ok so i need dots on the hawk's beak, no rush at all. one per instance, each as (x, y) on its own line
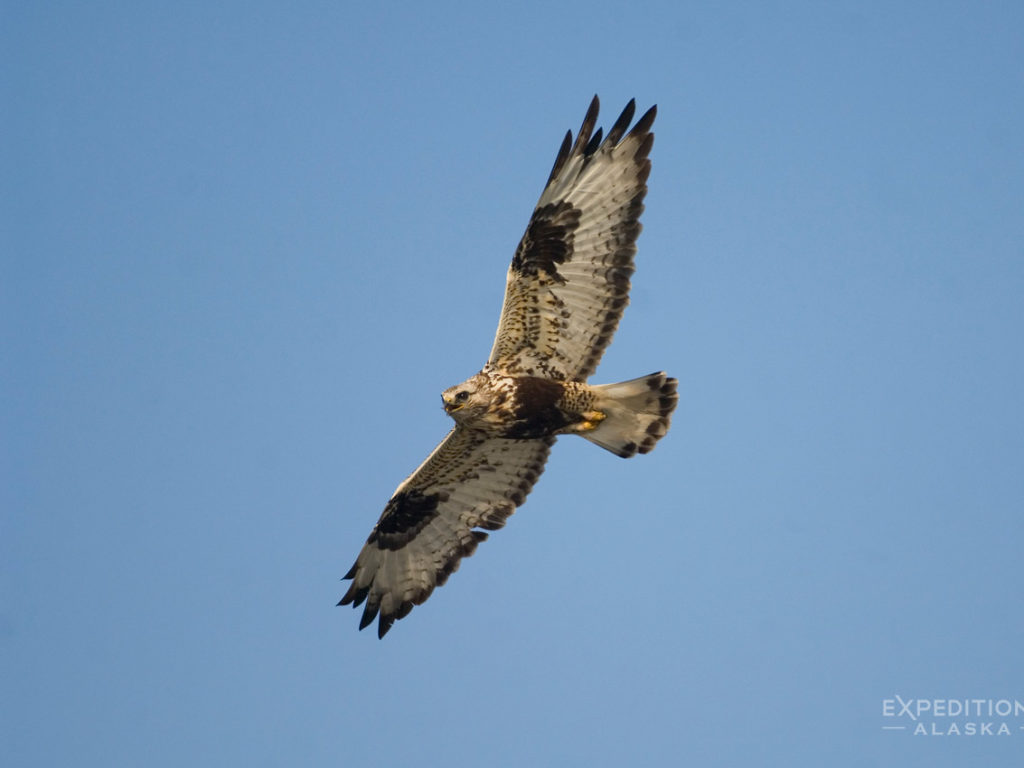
(450, 406)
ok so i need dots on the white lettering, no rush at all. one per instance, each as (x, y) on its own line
(931, 710)
(905, 707)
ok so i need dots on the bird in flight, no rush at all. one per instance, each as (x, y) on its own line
(566, 290)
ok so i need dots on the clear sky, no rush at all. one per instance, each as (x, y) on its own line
(246, 245)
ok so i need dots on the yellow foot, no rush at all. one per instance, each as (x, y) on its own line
(590, 421)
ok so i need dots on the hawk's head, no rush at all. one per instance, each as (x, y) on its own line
(470, 402)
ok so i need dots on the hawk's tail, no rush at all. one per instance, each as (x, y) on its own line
(636, 414)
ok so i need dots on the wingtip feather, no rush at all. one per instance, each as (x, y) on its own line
(369, 614)
(643, 125)
(561, 157)
(617, 131)
(587, 127)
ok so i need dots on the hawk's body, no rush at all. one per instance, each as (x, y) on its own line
(567, 287)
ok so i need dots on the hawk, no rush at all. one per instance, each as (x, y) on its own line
(566, 290)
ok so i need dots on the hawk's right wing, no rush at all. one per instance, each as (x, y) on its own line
(470, 481)
(568, 284)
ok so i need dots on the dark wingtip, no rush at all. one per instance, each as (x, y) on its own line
(622, 123)
(354, 595)
(562, 156)
(587, 127)
(369, 614)
(643, 125)
(588, 141)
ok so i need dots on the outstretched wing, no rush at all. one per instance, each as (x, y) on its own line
(470, 481)
(568, 284)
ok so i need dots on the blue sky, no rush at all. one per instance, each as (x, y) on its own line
(244, 248)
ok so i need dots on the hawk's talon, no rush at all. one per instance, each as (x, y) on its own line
(591, 420)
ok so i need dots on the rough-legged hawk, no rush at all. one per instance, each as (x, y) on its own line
(566, 290)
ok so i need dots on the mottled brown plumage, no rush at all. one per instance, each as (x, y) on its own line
(567, 287)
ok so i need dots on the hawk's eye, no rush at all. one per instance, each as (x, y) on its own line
(461, 397)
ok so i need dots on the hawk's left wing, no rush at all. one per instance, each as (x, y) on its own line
(470, 481)
(568, 284)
